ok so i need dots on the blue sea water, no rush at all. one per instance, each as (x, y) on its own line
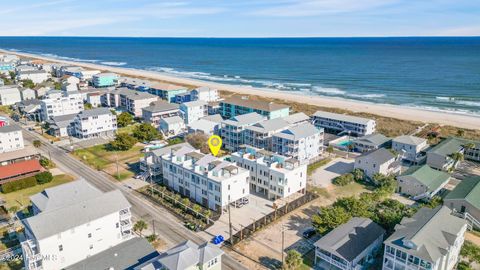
(441, 73)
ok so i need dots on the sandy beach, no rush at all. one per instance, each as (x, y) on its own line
(404, 113)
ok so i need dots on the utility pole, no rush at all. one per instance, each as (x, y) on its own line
(283, 243)
(230, 223)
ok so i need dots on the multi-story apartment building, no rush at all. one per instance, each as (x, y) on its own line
(129, 100)
(344, 124)
(94, 123)
(11, 138)
(238, 105)
(9, 95)
(72, 222)
(158, 110)
(205, 179)
(193, 110)
(37, 76)
(260, 134)
(104, 79)
(272, 175)
(410, 148)
(233, 130)
(204, 93)
(166, 91)
(430, 240)
(134, 83)
(58, 103)
(303, 142)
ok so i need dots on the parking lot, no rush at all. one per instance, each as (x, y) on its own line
(323, 176)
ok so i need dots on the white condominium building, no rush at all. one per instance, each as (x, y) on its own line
(303, 142)
(233, 130)
(9, 95)
(205, 93)
(37, 76)
(344, 124)
(94, 123)
(210, 181)
(11, 138)
(159, 110)
(430, 240)
(72, 222)
(193, 110)
(58, 103)
(130, 100)
(271, 174)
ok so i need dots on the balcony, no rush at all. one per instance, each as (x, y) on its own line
(126, 225)
(32, 255)
(125, 215)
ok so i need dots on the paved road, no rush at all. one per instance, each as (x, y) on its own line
(166, 225)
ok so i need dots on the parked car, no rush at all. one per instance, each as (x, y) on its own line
(309, 233)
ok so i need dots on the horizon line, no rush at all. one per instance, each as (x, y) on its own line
(245, 37)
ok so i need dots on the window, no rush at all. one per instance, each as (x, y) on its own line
(91, 246)
(60, 248)
(89, 235)
(117, 225)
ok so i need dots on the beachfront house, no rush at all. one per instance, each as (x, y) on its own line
(9, 95)
(166, 91)
(381, 161)
(104, 79)
(442, 156)
(208, 180)
(158, 110)
(371, 142)
(193, 110)
(205, 93)
(431, 239)
(73, 222)
(233, 130)
(410, 148)
(134, 83)
(350, 246)
(238, 105)
(57, 103)
(465, 200)
(172, 126)
(188, 256)
(422, 182)
(343, 124)
(303, 142)
(273, 175)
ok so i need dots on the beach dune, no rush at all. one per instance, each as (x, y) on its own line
(393, 111)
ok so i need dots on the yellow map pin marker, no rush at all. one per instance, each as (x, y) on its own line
(215, 143)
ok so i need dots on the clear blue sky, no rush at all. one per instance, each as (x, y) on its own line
(240, 18)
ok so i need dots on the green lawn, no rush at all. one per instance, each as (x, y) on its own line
(5, 110)
(314, 166)
(21, 199)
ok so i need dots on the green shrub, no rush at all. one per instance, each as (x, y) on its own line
(343, 180)
(44, 177)
(19, 184)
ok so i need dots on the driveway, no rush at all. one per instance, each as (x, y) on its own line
(323, 176)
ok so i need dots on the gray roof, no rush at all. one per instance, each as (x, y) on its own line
(350, 239)
(245, 101)
(374, 139)
(32, 72)
(213, 118)
(410, 140)
(269, 125)
(94, 112)
(195, 103)
(342, 117)
(132, 94)
(183, 256)
(172, 120)
(126, 255)
(164, 150)
(298, 132)
(160, 106)
(296, 118)
(378, 156)
(431, 231)
(203, 89)
(62, 120)
(244, 119)
(10, 128)
(79, 210)
(202, 124)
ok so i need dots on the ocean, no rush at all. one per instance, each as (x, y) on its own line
(434, 73)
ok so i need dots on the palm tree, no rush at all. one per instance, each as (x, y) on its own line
(140, 226)
(207, 213)
(186, 203)
(196, 208)
(457, 157)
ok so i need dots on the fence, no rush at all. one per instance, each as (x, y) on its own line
(249, 230)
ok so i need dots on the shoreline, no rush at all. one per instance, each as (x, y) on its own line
(385, 110)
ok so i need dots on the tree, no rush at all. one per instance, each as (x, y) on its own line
(460, 132)
(88, 106)
(37, 143)
(57, 86)
(186, 203)
(123, 142)
(12, 75)
(293, 260)
(207, 214)
(457, 157)
(354, 206)
(46, 163)
(145, 132)
(124, 119)
(358, 175)
(199, 141)
(44, 177)
(343, 180)
(28, 83)
(196, 208)
(329, 218)
(152, 238)
(140, 226)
